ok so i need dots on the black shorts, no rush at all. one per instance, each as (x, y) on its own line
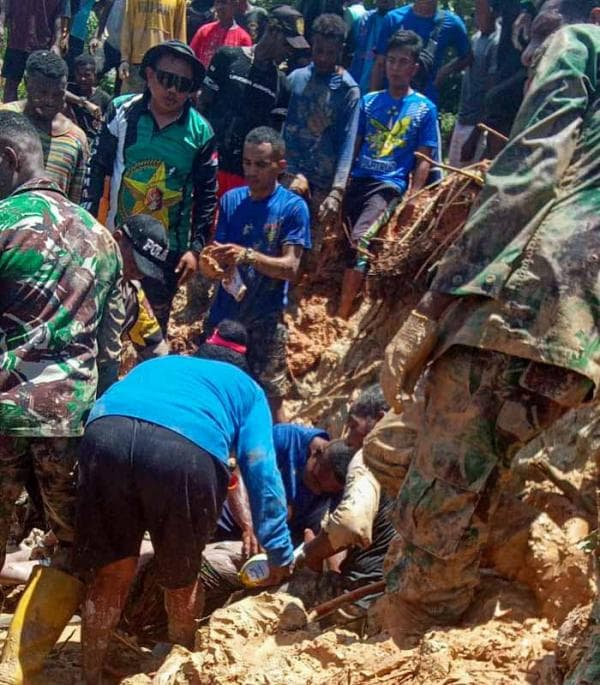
(14, 64)
(365, 201)
(134, 477)
(368, 206)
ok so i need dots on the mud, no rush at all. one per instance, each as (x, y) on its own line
(491, 650)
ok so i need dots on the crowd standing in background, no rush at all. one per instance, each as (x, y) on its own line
(142, 141)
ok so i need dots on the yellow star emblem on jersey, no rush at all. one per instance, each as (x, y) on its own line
(153, 196)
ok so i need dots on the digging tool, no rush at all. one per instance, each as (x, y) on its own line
(322, 610)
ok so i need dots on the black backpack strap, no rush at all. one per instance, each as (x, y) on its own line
(434, 36)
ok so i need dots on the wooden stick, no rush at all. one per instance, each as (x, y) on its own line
(347, 598)
(129, 644)
(493, 132)
(474, 177)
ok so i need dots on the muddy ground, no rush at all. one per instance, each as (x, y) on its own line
(538, 572)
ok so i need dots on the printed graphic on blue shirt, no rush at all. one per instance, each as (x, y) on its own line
(391, 131)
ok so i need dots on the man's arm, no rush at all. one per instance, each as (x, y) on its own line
(421, 171)
(102, 14)
(60, 44)
(256, 457)
(284, 268)
(109, 332)
(239, 507)
(459, 40)
(351, 522)
(455, 65)
(213, 81)
(145, 333)
(204, 175)
(346, 129)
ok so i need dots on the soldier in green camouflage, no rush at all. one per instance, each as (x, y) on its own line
(61, 314)
(510, 328)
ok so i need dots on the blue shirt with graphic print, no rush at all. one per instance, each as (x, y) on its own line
(392, 131)
(265, 226)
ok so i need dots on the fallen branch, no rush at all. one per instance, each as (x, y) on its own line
(493, 132)
(322, 610)
(474, 177)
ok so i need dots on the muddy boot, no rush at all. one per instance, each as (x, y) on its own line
(49, 601)
(351, 285)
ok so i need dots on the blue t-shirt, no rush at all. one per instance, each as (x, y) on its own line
(320, 127)
(367, 35)
(266, 226)
(80, 20)
(291, 448)
(392, 130)
(307, 509)
(221, 409)
(453, 34)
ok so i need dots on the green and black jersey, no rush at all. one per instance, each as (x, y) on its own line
(168, 173)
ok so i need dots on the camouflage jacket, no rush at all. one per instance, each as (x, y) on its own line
(60, 300)
(530, 250)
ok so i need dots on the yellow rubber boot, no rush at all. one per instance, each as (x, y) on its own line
(49, 601)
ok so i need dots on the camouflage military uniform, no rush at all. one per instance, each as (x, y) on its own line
(61, 312)
(524, 344)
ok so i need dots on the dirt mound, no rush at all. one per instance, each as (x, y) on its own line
(281, 653)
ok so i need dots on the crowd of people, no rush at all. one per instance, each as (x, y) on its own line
(178, 138)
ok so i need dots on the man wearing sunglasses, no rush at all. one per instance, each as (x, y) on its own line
(160, 155)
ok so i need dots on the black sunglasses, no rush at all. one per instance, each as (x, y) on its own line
(182, 84)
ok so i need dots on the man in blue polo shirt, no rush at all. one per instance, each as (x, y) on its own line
(262, 231)
(393, 125)
(439, 30)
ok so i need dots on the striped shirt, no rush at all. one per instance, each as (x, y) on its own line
(65, 153)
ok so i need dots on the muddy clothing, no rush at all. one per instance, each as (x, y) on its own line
(266, 226)
(306, 509)
(220, 409)
(127, 487)
(481, 407)
(65, 153)
(521, 347)
(51, 461)
(60, 309)
(320, 128)
(533, 287)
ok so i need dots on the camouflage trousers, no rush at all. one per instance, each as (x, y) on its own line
(52, 462)
(480, 408)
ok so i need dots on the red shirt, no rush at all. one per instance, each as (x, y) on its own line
(210, 37)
